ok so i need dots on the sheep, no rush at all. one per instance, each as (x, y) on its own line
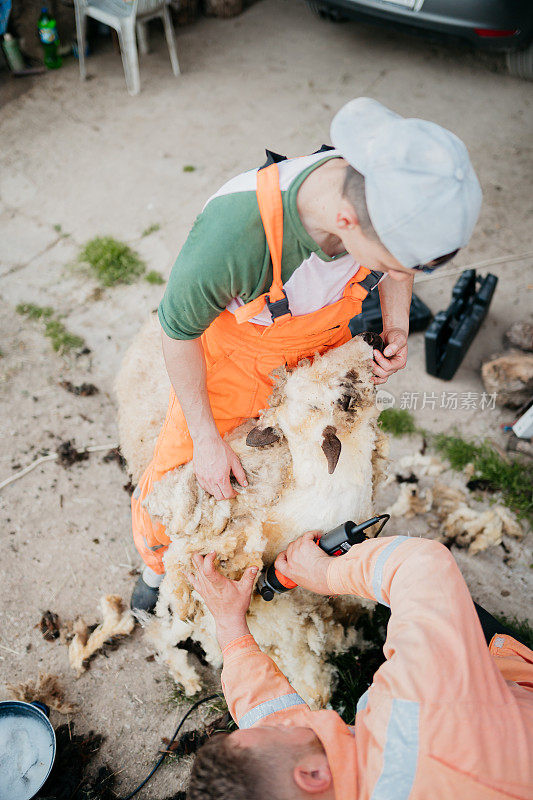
(312, 459)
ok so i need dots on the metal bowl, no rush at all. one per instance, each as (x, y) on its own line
(27, 749)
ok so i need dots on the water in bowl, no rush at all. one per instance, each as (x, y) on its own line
(26, 750)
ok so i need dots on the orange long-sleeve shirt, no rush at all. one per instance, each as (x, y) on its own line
(441, 719)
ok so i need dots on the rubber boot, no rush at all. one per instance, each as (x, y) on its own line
(146, 591)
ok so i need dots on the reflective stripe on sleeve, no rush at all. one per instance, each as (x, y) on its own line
(380, 565)
(270, 707)
(362, 702)
(400, 754)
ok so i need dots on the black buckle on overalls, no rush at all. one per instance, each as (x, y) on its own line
(279, 307)
(275, 158)
(372, 280)
(272, 158)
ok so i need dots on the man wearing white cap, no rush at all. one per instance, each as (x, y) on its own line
(274, 268)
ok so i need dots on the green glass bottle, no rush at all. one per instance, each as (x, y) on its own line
(49, 39)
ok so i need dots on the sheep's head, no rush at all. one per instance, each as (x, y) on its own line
(319, 401)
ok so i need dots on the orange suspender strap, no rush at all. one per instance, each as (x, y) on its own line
(271, 210)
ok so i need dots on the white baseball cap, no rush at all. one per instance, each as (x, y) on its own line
(422, 193)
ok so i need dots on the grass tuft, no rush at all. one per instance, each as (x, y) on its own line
(32, 311)
(397, 421)
(512, 479)
(154, 277)
(189, 168)
(112, 261)
(151, 229)
(58, 229)
(61, 339)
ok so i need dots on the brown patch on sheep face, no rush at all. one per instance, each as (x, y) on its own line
(331, 446)
(356, 395)
(261, 437)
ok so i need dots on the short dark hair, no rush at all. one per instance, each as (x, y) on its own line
(224, 771)
(353, 190)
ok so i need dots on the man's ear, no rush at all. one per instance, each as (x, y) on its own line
(346, 216)
(312, 774)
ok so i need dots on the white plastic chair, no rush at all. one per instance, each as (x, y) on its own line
(125, 17)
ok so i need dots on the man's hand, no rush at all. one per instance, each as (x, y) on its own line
(213, 462)
(394, 356)
(305, 563)
(227, 600)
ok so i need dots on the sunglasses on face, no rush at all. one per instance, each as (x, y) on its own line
(437, 262)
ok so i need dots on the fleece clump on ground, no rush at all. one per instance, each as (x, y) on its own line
(116, 621)
(487, 469)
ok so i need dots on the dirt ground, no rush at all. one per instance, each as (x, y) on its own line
(91, 159)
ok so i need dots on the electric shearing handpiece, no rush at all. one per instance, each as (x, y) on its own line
(334, 543)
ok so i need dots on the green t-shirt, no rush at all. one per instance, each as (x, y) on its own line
(225, 260)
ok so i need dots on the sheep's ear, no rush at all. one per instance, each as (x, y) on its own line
(373, 339)
(260, 437)
(331, 445)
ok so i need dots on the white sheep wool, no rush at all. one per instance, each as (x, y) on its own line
(322, 462)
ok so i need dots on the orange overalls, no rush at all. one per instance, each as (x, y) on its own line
(446, 717)
(240, 357)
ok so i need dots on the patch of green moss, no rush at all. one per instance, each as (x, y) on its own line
(189, 168)
(151, 229)
(397, 421)
(61, 339)
(512, 479)
(112, 261)
(154, 277)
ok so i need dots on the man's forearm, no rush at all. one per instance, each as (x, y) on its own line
(395, 298)
(186, 369)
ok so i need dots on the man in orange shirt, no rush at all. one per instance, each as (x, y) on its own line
(445, 716)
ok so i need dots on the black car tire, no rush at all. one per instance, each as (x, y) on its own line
(520, 63)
